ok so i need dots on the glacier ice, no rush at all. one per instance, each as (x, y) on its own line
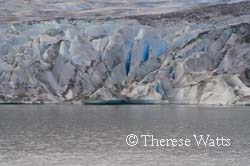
(186, 59)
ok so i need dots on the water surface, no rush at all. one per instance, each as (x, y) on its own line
(67, 135)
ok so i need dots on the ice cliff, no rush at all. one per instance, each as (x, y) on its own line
(197, 56)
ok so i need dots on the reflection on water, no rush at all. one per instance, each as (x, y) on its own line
(95, 135)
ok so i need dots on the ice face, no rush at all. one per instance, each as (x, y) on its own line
(180, 59)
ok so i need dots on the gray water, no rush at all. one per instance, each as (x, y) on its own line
(53, 135)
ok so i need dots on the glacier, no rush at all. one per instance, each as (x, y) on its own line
(194, 56)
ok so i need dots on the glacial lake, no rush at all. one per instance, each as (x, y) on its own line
(77, 135)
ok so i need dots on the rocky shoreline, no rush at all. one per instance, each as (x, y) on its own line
(198, 56)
